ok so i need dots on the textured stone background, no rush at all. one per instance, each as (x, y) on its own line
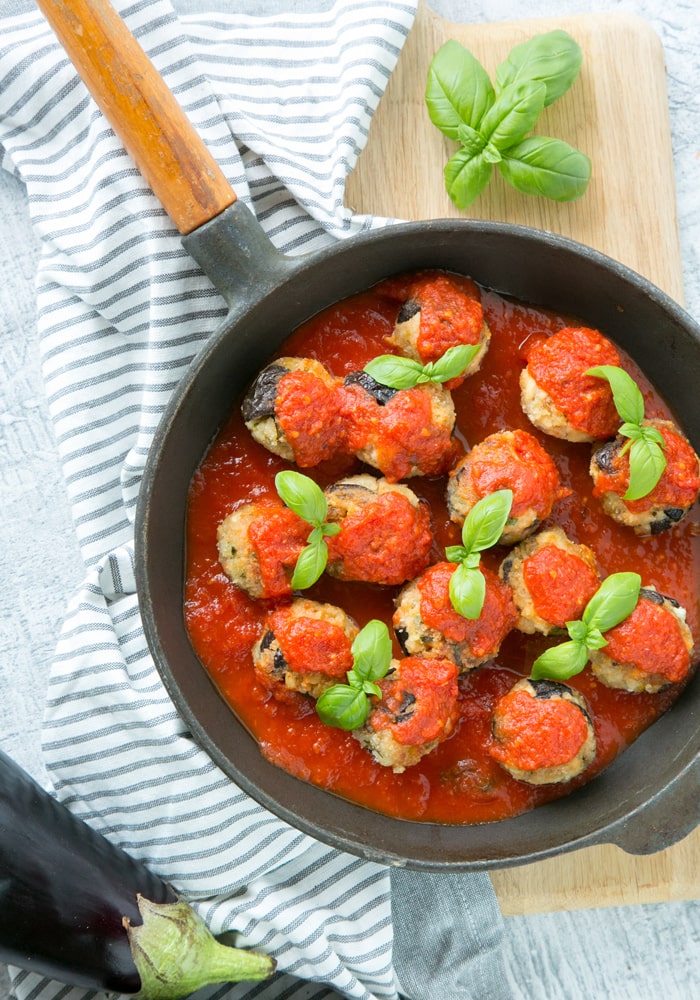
(626, 953)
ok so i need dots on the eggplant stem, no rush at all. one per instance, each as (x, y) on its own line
(176, 954)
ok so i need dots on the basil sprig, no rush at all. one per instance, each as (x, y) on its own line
(646, 444)
(615, 600)
(482, 528)
(346, 706)
(303, 496)
(492, 124)
(398, 372)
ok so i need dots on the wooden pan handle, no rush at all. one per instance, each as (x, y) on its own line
(141, 109)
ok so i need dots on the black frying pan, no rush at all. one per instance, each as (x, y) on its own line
(648, 798)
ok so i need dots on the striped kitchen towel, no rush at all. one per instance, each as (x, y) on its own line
(284, 103)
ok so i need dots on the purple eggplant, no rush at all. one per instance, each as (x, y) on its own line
(76, 908)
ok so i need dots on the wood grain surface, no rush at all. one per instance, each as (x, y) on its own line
(629, 213)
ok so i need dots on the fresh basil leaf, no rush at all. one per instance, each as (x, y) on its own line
(484, 524)
(302, 495)
(466, 176)
(467, 591)
(472, 140)
(456, 553)
(458, 90)
(613, 601)
(491, 154)
(647, 465)
(549, 167)
(595, 639)
(553, 58)
(632, 431)
(370, 688)
(328, 530)
(577, 631)
(396, 371)
(309, 566)
(453, 363)
(371, 651)
(627, 397)
(343, 707)
(560, 662)
(513, 114)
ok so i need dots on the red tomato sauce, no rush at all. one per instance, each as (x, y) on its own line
(277, 539)
(537, 733)
(483, 634)
(560, 584)
(451, 314)
(558, 366)
(459, 782)
(651, 639)
(520, 464)
(311, 645)
(308, 414)
(388, 541)
(433, 684)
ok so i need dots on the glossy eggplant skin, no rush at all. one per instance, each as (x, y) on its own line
(64, 890)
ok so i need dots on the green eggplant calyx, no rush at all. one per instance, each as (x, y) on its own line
(176, 954)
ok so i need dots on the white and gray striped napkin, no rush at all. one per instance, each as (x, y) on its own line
(283, 102)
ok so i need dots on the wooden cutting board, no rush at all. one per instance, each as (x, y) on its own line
(629, 213)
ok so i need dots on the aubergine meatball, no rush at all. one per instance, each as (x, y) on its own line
(305, 647)
(669, 501)
(558, 396)
(512, 460)
(417, 711)
(400, 432)
(385, 532)
(649, 650)
(440, 312)
(258, 546)
(552, 580)
(291, 409)
(426, 624)
(542, 732)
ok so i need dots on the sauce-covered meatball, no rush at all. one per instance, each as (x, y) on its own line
(258, 546)
(400, 432)
(426, 623)
(417, 711)
(305, 647)
(440, 312)
(542, 732)
(385, 533)
(552, 579)
(558, 396)
(649, 650)
(512, 460)
(669, 501)
(292, 410)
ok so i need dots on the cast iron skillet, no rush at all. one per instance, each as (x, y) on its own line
(648, 798)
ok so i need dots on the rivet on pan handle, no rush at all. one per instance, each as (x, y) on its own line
(142, 111)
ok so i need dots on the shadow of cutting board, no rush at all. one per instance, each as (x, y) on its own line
(617, 113)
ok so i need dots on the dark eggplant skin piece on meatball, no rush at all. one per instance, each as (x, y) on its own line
(258, 546)
(291, 410)
(441, 311)
(650, 650)
(552, 580)
(542, 732)
(417, 711)
(426, 624)
(672, 497)
(558, 396)
(385, 532)
(513, 460)
(306, 646)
